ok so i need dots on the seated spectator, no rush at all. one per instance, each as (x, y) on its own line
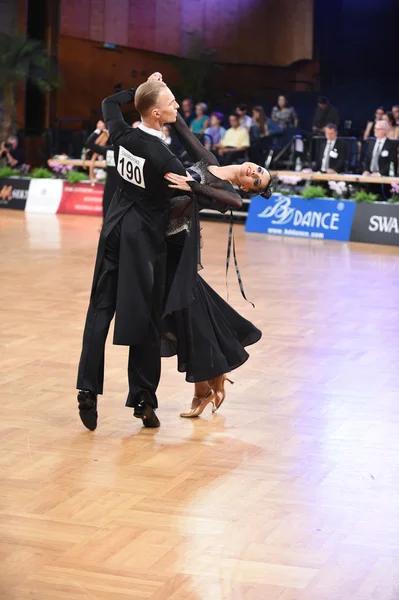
(201, 121)
(171, 140)
(12, 152)
(215, 133)
(381, 152)
(235, 142)
(331, 154)
(259, 135)
(369, 131)
(245, 119)
(259, 128)
(393, 133)
(187, 111)
(395, 112)
(325, 113)
(283, 114)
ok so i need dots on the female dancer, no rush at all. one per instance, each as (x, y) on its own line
(209, 337)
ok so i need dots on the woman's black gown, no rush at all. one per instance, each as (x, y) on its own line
(209, 336)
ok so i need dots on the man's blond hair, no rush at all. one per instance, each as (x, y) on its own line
(147, 96)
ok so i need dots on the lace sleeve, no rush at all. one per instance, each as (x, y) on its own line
(191, 143)
(229, 198)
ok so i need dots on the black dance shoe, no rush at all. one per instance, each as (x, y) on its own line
(147, 414)
(88, 409)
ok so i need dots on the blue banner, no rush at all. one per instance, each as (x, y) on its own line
(321, 218)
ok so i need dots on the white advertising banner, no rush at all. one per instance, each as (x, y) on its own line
(44, 196)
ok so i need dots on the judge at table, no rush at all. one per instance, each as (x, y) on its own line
(381, 152)
(331, 153)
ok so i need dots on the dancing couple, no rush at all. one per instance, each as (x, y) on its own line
(146, 270)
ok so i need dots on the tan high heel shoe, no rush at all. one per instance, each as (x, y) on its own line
(199, 404)
(217, 384)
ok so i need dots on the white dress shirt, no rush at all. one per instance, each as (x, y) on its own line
(378, 146)
(151, 131)
(326, 157)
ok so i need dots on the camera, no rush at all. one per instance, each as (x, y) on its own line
(7, 145)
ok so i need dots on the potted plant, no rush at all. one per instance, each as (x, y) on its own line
(23, 60)
(313, 191)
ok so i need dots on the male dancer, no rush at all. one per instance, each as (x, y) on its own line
(130, 267)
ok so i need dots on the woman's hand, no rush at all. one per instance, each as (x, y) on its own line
(179, 182)
(155, 77)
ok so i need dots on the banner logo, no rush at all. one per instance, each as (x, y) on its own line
(14, 193)
(376, 223)
(283, 214)
(320, 218)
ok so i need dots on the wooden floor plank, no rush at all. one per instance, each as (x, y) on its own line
(290, 492)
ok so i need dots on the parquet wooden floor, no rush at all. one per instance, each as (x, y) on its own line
(290, 493)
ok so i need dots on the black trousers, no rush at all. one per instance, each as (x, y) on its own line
(144, 364)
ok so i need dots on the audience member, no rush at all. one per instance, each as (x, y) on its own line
(187, 111)
(235, 142)
(325, 113)
(331, 154)
(12, 152)
(283, 114)
(245, 119)
(395, 112)
(215, 133)
(259, 128)
(393, 133)
(259, 135)
(369, 131)
(171, 140)
(381, 152)
(201, 121)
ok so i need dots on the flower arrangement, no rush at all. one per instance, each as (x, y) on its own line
(59, 170)
(289, 179)
(394, 199)
(339, 188)
(100, 175)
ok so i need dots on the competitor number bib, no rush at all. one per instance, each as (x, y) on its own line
(131, 167)
(110, 158)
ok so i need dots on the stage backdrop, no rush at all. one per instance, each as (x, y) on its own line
(264, 32)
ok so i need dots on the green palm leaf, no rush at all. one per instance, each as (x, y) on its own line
(23, 59)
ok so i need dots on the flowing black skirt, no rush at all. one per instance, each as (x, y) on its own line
(208, 337)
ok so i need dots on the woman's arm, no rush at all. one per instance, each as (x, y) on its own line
(191, 143)
(227, 197)
(220, 195)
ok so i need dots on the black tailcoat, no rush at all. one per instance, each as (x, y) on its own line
(141, 205)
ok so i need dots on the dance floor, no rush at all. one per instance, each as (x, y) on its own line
(290, 492)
